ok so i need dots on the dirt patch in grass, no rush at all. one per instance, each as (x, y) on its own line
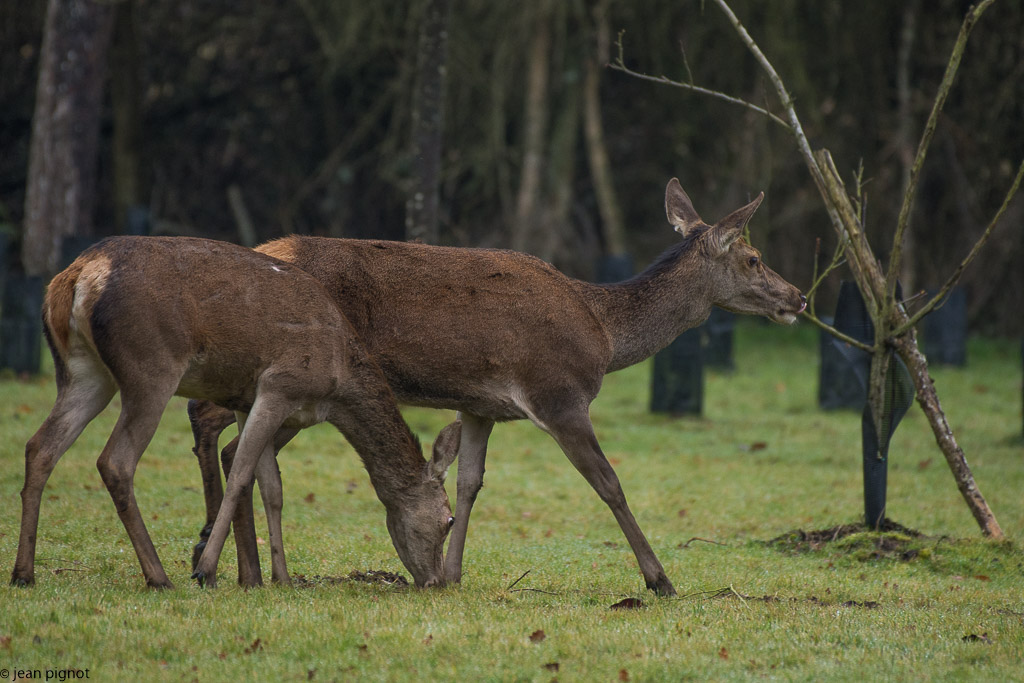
(891, 541)
(374, 576)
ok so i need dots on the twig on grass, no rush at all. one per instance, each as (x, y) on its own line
(705, 540)
(534, 590)
(518, 580)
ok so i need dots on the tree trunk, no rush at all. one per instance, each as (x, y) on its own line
(928, 399)
(597, 151)
(536, 115)
(125, 102)
(65, 130)
(421, 208)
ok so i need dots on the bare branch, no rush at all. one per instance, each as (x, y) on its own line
(836, 201)
(620, 65)
(922, 148)
(837, 334)
(837, 261)
(955, 277)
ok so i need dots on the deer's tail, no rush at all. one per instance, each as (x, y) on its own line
(68, 304)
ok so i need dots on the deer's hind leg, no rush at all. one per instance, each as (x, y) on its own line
(79, 399)
(141, 410)
(208, 421)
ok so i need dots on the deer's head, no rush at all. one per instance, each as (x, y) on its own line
(420, 523)
(736, 277)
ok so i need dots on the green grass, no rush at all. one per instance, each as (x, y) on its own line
(763, 461)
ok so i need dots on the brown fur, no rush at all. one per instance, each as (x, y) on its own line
(156, 317)
(500, 335)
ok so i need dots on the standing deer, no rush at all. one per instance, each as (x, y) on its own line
(500, 335)
(155, 317)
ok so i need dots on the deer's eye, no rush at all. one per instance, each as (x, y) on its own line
(753, 261)
(451, 522)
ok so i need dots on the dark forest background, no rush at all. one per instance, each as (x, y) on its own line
(245, 121)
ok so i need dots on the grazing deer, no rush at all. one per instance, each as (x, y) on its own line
(500, 335)
(156, 317)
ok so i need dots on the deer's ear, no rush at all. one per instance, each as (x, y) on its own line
(679, 209)
(730, 228)
(446, 447)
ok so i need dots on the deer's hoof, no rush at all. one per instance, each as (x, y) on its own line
(197, 552)
(204, 580)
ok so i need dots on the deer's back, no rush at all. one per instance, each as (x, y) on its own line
(470, 329)
(215, 315)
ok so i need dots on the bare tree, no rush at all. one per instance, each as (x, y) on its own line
(65, 129)
(894, 324)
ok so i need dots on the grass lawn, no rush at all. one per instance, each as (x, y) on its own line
(761, 463)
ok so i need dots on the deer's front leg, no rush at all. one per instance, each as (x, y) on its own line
(575, 435)
(269, 478)
(472, 454)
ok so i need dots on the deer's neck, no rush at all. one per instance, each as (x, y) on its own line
(647, 312)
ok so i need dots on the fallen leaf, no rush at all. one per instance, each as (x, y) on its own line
(628, 603)
(429, 639)
(310, 498)
(975, 638)
(723, 653)
(682, 513)
(260, 541)
(614, 461)
(310, 674)
(923, 464)
(551, 666)
(981, 577)
(5, 642)
(758, 445)
(351, 486)
(256, 646)
(537, 636)
(623, 675)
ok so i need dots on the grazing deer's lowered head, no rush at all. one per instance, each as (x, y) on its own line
(420, 523)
